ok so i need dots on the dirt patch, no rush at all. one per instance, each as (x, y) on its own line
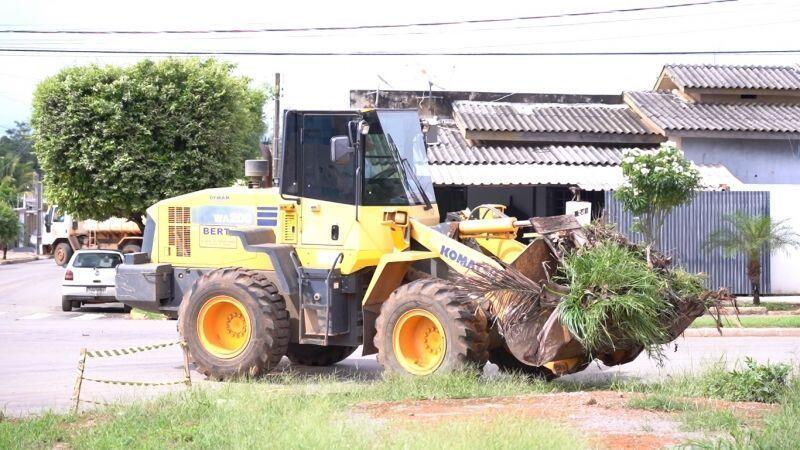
(602, 416)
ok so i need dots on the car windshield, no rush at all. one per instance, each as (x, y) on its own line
(396, 162)
(97, 260)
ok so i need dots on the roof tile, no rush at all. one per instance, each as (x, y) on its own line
(671, 113)
(714, 76)
(548, 117)
(454, 149)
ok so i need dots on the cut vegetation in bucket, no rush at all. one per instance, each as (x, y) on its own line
(614, 300)
(602, 301)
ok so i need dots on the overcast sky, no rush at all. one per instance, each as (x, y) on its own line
(323, 82)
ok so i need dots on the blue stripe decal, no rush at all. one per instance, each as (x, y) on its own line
(267, 223)
(268, 214)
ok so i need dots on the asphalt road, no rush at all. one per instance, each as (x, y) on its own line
(40, 347)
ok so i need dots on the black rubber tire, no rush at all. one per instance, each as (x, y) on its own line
(126, 309)
(268, 317)
(62, 254)
(464, 324)
(317, 355)
(508, 363)
(66, 304)
(131, 248)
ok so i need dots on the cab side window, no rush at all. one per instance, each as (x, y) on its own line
(322, 178)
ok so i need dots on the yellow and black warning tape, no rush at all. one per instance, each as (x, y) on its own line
(135, 383)
(76, 391)
(95, 402)
(127, 351)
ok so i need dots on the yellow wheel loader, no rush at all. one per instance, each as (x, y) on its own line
(348, 251)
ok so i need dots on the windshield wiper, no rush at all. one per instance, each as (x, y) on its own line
(406, 169)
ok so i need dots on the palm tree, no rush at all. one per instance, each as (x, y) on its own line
(749, 235)
(16, 173)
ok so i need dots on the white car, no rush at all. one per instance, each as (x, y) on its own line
(89, 278)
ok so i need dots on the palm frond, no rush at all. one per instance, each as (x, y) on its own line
(512, 297)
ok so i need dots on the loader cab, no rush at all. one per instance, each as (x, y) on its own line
(369, 158)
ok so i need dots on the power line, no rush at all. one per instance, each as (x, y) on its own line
(369, 27)
(393, 53)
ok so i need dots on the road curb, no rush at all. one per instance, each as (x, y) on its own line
(742, 332)
(4, 262)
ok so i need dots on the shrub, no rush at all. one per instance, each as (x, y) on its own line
(756, 382)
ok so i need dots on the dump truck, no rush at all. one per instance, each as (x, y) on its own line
(64, 234)
(347, 251)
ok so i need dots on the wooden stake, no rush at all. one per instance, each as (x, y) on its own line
(186, 372)
(76, 390)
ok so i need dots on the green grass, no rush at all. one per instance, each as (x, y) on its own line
(707, 419)
(295, 412)
(660, 402)
(779, 430)
(140, 314)
(749, 322)
(772, 306)
(694, 417)
(748, 382)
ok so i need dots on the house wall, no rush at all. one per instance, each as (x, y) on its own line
(785, 265)
(753, 161)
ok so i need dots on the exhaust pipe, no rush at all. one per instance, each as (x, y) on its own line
(258, 173)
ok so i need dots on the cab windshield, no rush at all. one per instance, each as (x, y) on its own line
(395, 161)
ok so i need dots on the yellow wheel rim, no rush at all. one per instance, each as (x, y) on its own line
(223, 327)
(419, 342)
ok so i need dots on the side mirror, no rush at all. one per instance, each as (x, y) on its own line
(341, 149)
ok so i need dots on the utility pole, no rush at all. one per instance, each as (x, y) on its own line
(276, 127)
(38, 189)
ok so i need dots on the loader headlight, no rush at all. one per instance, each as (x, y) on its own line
(401, 217)
(395, 217)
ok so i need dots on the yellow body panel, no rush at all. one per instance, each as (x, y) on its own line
(390, 272)
(508, 250)
(458, 256)
(193, 229)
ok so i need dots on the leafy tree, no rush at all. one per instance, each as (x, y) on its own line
(17, 163)
(655, 183)
(112, 141)
(749, 236)
(18, 142)
(9, 227)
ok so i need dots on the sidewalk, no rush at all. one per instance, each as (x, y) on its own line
(20, 255)
(771, 299)
(739, 332)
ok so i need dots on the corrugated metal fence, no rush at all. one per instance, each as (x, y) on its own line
(688, 227)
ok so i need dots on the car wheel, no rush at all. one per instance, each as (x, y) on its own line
(66, 304)
(62, 254)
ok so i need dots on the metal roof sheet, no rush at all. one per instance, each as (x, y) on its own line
(714, 76)
(670, 112)
(453, 148)
(590, 178)
(548, 118)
